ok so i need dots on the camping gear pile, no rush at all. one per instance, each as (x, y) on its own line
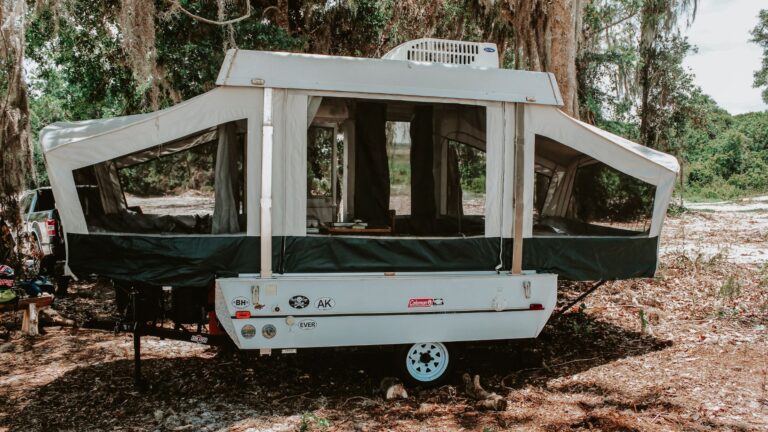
(12, 290)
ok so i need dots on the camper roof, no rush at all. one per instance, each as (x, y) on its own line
(386, 76)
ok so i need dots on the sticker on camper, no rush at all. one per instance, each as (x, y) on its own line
(488, 49)
(199, 339)
(425, 302)
(325, 303)
(240, 302)
(420, 302)
(298, 302)
(308, 324)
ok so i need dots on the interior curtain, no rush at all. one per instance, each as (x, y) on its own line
(371, 164)
(422, 177)
(110, 191)
(226, 206)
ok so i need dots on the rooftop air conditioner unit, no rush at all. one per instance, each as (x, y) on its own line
(477, 54)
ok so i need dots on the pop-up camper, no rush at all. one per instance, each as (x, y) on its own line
(423, 198)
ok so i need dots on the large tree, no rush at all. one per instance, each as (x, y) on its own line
(659, 20)
(15, 154)
(760, 37)
(544, 37)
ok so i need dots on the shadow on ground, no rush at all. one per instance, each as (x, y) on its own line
(229, 387)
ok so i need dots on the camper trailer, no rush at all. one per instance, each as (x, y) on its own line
(420, 199)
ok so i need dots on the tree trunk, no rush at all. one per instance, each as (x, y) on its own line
(546, 35)
(15, 150)
(565, 27)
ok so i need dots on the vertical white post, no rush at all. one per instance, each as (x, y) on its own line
(253, 167)
(519, 189)
(335, 173)
(266, 186)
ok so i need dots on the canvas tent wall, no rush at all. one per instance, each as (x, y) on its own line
(248, 79)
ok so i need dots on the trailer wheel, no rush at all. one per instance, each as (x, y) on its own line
(425, 364)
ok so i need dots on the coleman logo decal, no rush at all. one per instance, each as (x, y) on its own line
(325, 303)
(199, 339)
(240, 302)
(298, 302)
(424, 302)
(308, 324)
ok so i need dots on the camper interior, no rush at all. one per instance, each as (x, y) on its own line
(577, 195)
(397, 168)
(212, 202)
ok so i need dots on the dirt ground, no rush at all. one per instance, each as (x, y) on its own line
(687, 350)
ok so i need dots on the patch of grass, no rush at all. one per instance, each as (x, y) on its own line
(581, 324)
(731, 288)
(643, 320)
(311, 421)
(676, 209)
(763, 274)
(719, 191)
(399, 165)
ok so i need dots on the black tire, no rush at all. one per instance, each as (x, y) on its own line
(431, 363)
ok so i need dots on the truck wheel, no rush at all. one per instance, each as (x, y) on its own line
(425, 364)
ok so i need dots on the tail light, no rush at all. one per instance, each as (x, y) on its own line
(50, 227)
(242, 314)
(537, 306)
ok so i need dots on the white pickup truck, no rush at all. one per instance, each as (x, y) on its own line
(42, 225)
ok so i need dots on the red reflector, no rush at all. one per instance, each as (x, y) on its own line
(242, 314)
(537, 306)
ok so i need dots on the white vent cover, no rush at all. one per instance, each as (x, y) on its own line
(447, 51)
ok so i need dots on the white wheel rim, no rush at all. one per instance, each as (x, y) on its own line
(427, 362)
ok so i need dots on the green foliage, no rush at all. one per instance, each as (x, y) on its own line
(400, 166)
(81, 72)
(471, 168)
(732, 161)
(603, 193)
(192, 169)
(320, 161)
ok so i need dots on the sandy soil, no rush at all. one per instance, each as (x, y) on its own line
(684, 351)
(187, 203)
(736, 230)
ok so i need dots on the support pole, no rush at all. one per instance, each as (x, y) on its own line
(137, 381)
(597, 285)
(266, 186)
(519, 189)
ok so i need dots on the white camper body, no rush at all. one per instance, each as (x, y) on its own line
(279, 284)
(326, 310)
